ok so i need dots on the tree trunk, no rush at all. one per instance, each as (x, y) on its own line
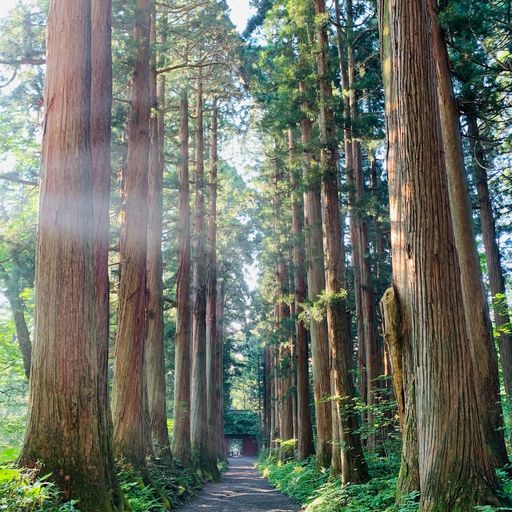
(198, 413)
(213, 368)
(219, 428)
(181, 434)
(155, 351)
(450, 433)
(282, 316)
(101, 135)
(492, 253)
(129, 395)
(20, 324)
(304, 429)
(66, 426)
(478, 322)
(409, 478)
(315, 285)
(353, 463)
(352, 152)
(285, 358)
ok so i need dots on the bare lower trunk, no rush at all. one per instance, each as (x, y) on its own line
(181, 434)
(67, 418)
(219, 427)
(285, 362)
(128, 391)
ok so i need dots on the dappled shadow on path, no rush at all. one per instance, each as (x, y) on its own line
(242, 489)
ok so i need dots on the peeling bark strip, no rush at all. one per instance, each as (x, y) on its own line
(129, 395)
(391, 327)
(455, 469)
(67, 382)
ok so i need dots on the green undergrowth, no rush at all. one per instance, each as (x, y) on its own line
(158, 489)
(317, 491)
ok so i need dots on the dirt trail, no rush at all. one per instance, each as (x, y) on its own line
(242, 489)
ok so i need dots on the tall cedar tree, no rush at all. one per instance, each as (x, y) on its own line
(478, 322)
(353, 463)
(399, 344)
(181, 434)
(155, 351)
(213, 346)
(67, 427)
(201, 457)
(451, 436)
(129, 396)
(480, 163)
(315, 285)
(304, 432)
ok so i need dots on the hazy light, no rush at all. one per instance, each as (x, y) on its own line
(5, 7)
(241, 11)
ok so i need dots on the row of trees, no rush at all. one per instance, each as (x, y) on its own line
(170, 55)
(436, 329)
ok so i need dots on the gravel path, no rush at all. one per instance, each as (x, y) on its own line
(242, 489)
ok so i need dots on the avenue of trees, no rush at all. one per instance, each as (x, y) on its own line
(309, 221)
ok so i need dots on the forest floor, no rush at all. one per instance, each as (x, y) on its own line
(242, 489)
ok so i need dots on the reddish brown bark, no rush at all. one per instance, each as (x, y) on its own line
(128, 392)
(155, 352)
(213, 347)
(181, 434)
(201, 458)
(426, 274)
(67, 418)
(315, 285)
(476, 310)
(353, 462)
(401, 351)
(492, 253)
(304, 428)
(101, 134)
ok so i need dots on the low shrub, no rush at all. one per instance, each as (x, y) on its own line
(24, 491)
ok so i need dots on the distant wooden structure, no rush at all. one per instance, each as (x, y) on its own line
(241, 433)
(241, 445)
